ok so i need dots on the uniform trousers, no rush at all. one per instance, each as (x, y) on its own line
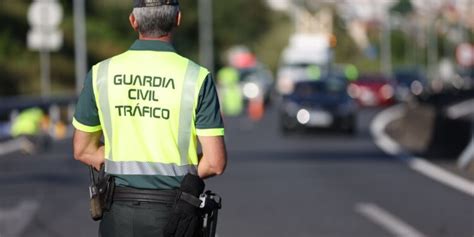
(135, 219)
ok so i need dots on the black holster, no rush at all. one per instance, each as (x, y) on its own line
(211, 203)
(101, 191)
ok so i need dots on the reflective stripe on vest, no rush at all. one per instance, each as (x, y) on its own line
(103, 89)
(186, 113)
(184, 132)
(148, 168)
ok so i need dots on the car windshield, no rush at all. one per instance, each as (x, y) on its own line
(254, 74)
(330, 87)
(407, 77)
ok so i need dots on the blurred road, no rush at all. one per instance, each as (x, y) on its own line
(320, 184)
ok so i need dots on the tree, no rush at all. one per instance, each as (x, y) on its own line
(108, 33)
(403, 7)
(241, 22)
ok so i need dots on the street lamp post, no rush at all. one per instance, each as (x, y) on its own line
(80, 43)
(386, 46)
(45, 80)
(206, 34)
(432, 48)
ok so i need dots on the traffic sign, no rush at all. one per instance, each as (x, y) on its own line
(45, 41)
(45, 13)
(44, 17)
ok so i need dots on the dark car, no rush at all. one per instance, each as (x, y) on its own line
(409, 82)
(467, 78)
(319, 104)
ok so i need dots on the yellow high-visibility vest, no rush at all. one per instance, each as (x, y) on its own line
(147, 102)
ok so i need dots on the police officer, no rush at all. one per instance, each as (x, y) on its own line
(149, 104)
(229, 88)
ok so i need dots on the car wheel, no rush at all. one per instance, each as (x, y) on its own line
(351, 127)
(350, 131)
(285, 130)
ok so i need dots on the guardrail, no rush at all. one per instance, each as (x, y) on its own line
(464, 110)
(9, 104)
(438, 125)
(58, 108)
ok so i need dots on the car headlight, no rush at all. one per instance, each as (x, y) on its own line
(303, 116)
(416, 88)
(251, 90)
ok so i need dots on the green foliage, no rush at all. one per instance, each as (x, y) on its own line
(399, 46)
(241, 22)
(403, 7)
(236, 22)
(346, 50)
(244, 22)
(270, 45)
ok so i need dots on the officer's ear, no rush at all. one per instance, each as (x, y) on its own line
(178, 19)
(133, 22)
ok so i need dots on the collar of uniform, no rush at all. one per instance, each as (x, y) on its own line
(154, 45)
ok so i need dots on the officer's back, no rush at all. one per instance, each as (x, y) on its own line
(150, 104)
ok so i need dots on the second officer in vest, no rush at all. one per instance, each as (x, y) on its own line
(151, 106)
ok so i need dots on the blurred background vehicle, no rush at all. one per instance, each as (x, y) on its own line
(372, 90)
(303, 58)
(324, 103)
(256, 82)
(409, 82)
(253, 80)
(467, 78)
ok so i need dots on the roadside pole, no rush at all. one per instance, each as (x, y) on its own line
(45, 62)
(386, 45)
(80, 43)
(432, 48)
(206, 34)
(44, 17)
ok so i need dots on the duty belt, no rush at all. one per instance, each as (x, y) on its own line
(145, 195)
(152, 195)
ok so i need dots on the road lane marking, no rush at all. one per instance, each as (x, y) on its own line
(14, 221)
(441, 175)
(378, 125)
(460, 110)
(386, 220)
(388, 145)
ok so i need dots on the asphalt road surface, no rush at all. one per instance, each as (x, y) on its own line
(318, 184)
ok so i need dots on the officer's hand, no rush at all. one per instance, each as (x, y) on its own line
(185, 218)
(97, 166)
(98, 159)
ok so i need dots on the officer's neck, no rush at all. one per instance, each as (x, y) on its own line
(165, 38)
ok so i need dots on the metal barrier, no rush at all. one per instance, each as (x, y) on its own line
(59, 109)
(464, 110)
